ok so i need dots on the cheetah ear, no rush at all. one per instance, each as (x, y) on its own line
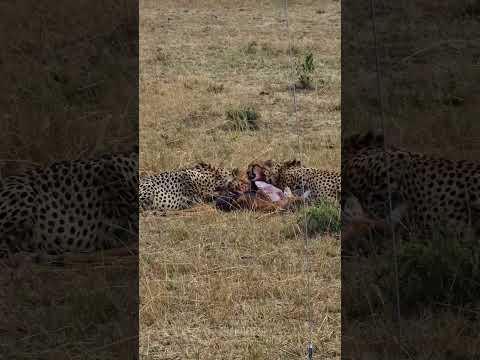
(352, 139)
(236, 172)
(133, 149)
(367, 138)
(268, 163)
(379, 137)
(296, 162)
(355, 137)
(376, 136)
(202, 165)
(106, 175)
(293, 163)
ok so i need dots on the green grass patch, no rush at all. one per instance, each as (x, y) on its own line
(305, 72)
(323, 217)
(244, 118)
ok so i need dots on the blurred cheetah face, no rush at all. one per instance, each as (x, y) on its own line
(235, 181)
(238, 182)
(269, 170)
(262, 170)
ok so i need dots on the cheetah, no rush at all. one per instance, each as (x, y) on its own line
(182, 188)
(439, 193)
(69, 206)
(322, 184)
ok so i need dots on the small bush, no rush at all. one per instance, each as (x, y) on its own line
(251, 47)
(243, 119)
(323, 217)
(215, 88)
(305, 71)
(261, 50)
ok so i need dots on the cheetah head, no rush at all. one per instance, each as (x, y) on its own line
(202, 167)
(360, 144)
(224, 179)
(269, 170)
(234, 181)
(239, 182)
(372, 139)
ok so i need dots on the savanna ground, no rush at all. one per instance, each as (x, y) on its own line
(429, 61)
(216, 285)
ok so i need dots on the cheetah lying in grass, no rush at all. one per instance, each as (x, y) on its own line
(442, 195)
(181, 189)
(69, 206)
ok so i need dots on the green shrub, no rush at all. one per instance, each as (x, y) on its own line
(215, 88)
(242, 119)
(305, 71)
(323, 217)
(251, 47)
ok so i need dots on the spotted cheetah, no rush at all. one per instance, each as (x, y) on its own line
(182, 188)
(322, 184)
(439, 193)
(69, 206)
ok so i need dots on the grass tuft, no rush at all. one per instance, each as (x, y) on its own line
(322, 218)
(305, 71)
(215, 88)
(242, 119)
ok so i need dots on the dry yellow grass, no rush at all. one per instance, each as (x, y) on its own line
(233, 286)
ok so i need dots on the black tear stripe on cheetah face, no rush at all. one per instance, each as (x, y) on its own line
(69, 206)
(437, 191)
(181, 189)
(322, 184)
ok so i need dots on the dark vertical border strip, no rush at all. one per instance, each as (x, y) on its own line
(70, 74)
(428, 55)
